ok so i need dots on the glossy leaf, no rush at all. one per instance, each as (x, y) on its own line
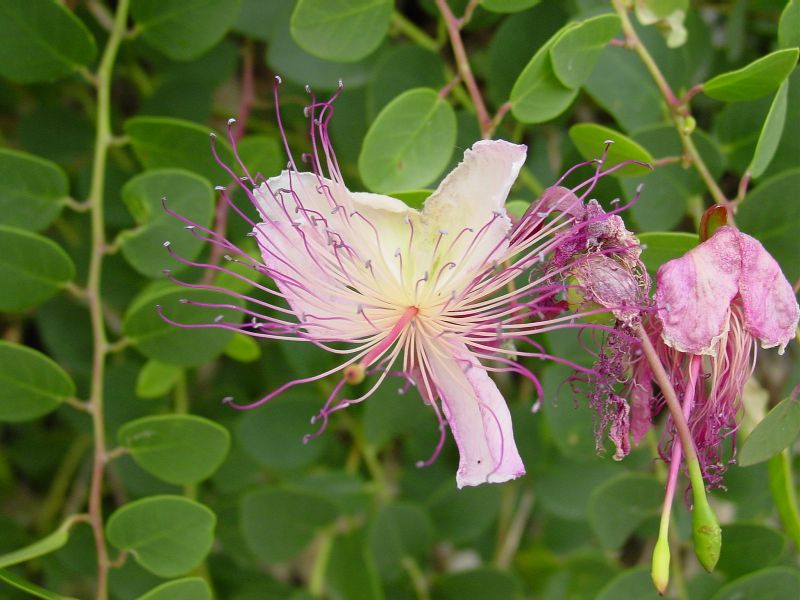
(164, 143)
(167, 535)
(771, 132)
(46, 545)
(31, 384)
(184, 29)
(30, 588)
(789, 25)
(157, 379)
(777, 583)
(190, 588)
(42, 41)
(178, 449)
(341, 30)
(508, 6)
(32, 269)
(146, 195)
(32, 190)
(576, 51)
(754, 80)
(409, 143)
(538, 95)
(164, 342)
(776, 431)
(399, 531)
(618, 506)
(278, 524)
(590, 140)
(748, 547)
(659, 247)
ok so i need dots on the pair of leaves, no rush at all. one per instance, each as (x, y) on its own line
(550, 81)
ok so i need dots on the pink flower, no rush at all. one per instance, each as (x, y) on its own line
(437, 296)
(714, 304)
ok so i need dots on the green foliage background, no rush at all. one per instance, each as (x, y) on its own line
(116, 454)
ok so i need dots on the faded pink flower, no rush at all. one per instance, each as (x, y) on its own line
(438, 296)
(713, 305)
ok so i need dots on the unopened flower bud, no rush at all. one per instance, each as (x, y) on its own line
(660, 566)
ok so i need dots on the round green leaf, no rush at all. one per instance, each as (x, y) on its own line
(273, 435)
(748, 547)
(156, 379)
(243, 348)
(32, 190)
(778, 583)
(508, 6)
(659, 247)
(42, 41)
(538, 95)
(184, 193)
(278, 524)
(167, 535)
(776, 431)
(31, 384)
(410, 142)
(754, 80)
(771, 132)
(178, 449)
(162, 341)
(463, 515)
(773, 221)
(32, 268)
(399, 531)
(341, 30)
(590, 140)
(633, 498)
(405, 67)
(362, 583)
(184, 29)
(164, 142)
(576, 51)
(477, 584)
(567, 484)
(262, 154)
(190, 588)
(634, 583)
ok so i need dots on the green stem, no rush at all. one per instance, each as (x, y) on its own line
(61, 482)
(316, 582)
(782, 484)
(93, 289)
(418, 580)
(414, 33)
(679, 112)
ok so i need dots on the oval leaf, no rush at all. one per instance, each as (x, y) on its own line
(164, 342)
(748, 547)
(538, 95)
(633, 583)
(178, 449)
(477, 584)
(346, 30)
(156, 379)
(778, 583)
(575, 52)
(789, 25)
(399, 531)
(754, 80)
(167, 535)
(771, 132)
(42, 41)
(184, 29)
(31, 384)
(190, 588)
(183, 192)
(410, 142)
(508, 6)
(278, 524)
(775, 432)
(634, 498)
(590, 140)
(32, 190)
(32, 269)
(164, 142)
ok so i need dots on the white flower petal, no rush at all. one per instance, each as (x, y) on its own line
(478, 417)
